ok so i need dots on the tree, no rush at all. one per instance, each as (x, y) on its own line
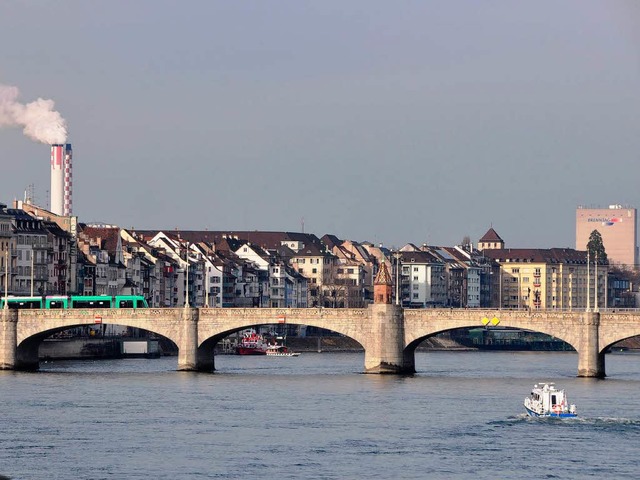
(595, 247)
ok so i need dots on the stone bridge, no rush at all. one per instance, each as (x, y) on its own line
(388, 334)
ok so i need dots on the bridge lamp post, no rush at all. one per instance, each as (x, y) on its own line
(499, 287)
(595, 309)
(519, 290)
(588, 282)
(570, 291)
(398, 256)
(6, 279)
(186, 293)
(206, 285)
(32, 272)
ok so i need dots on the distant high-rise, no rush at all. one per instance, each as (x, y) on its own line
(617, 226)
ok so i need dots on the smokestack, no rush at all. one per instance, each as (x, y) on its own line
(57, 179)
(42, 123)
(68, 183)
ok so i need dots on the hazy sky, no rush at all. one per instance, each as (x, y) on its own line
(388, 121)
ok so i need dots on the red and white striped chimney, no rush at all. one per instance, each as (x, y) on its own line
(57, 179)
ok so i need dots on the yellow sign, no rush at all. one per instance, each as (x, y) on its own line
(495, 321)
(485, 320)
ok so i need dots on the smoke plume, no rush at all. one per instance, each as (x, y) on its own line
(38, 119)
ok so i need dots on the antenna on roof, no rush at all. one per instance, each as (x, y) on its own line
(302, 224)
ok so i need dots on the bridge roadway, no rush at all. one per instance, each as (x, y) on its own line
(389, 334)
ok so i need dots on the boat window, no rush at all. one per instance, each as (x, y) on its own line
(553, 400)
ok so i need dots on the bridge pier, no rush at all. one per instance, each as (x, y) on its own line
(192, 358)
(188, 342)
(590, 359)
(8, 338)
(384, 350)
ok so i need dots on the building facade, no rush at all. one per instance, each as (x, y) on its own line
(556, 278)
(617, 226)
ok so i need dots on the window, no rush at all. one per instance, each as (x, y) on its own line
(314, 270)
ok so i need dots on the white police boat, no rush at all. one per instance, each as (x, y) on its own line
(547, 401)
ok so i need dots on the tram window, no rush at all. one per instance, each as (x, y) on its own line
(126, 304)
(25, 304)
(55, 304)
(91, 304)
(140, 304)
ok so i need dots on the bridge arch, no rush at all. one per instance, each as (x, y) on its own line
(354, 323)
(417, 337)
(566, 326)
(212, 328)
(615, 327)
(36, 325)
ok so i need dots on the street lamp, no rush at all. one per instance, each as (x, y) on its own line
(206, 285)
(570, 291)
(500, 287)
(588, 283)
(596, 286)
(186, 293)
(519, 290)
(6, 280)
(397, 255)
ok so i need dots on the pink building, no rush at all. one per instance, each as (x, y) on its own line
(618, 227)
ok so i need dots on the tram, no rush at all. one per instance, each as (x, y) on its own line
(51, 302)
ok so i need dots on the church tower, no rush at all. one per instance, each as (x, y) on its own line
(383, 285)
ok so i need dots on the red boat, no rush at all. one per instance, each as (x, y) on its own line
(252, 343)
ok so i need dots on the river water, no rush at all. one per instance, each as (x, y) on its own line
(316, 416)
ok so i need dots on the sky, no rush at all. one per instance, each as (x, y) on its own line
(383, 121)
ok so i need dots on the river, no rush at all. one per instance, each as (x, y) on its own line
(316, 416)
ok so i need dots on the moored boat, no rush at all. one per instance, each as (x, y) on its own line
(547, 401)
(280, 351)
(252, 343)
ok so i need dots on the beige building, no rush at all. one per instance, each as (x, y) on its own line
(555, 278)
(617, 226)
